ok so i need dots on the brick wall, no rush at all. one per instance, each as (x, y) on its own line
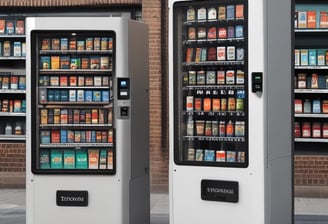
(152, 11)
(12, 164)
(311, 170)
(311, 176)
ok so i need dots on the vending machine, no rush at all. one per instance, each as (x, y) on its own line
(87, 126)
(231, 114)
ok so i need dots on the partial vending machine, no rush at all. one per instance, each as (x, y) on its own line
(87, 126)
(231, 114)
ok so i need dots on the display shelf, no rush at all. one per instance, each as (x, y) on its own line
(12, 114)
(314, 140)
(213, 63)
(213, 41)
(311, 33)
(320, 91)
(12, 69)
(214, 87)
(12, 91)
(214, 138)
(311, 67)
(70, 52)
(76, 145)
(75, 71)
(307, 30)
(312, 115)
(215, 113)
(12, 58)
(76, 125)
(12, 137)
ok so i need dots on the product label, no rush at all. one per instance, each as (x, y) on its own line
(72, 198)
(217, 190)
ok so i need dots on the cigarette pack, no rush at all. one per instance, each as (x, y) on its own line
(240, 11)
(110, 160)
(75, 63)
(44, 116)
(55, 62)
(96, 96)
(2, 26)
(72, 95)
(311, 19)
(93, 155)
(64, 62)
(45, 137)
(20, 26)
(45, 44)
(81, 159)
(323, 19)
(55, 44)
(221, 53)
(64, 95)
(312, 56)
(14, 82)
(63, 44)
(222, 12)
(69, 159)
(220, 156)
(104, 43)
(199, 155)
(6, 48)
(22, 82)
(55, 136)
(304, 56)
(89, 44)
(191, 154)
(96, 43)
(209, 155)
(88, 95)
(103, 159)
(302, 19)
(44, 159)
(56, 159)
(63, 136)
(80, 45)
(80, 95)
(10, 26)
(17, 49)
(45, 62)
(95, 62)
(231, 156)
(230, 12)
(105, 96)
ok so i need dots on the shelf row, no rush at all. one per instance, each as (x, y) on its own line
(217, 13)
(76, 159)
(77, 44)
(208, 55)
(75, 136)
(208, 155)
(72, 63)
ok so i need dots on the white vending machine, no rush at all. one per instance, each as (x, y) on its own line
(231, 111)
(87, 126)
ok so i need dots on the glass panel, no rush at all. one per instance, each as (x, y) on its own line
(72, 107)
(210, 83)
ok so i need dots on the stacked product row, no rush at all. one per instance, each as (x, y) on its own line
(311, 19)
(311, 57)
(12, 48)
(79, 159)
(311, 130)
(11, 81)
